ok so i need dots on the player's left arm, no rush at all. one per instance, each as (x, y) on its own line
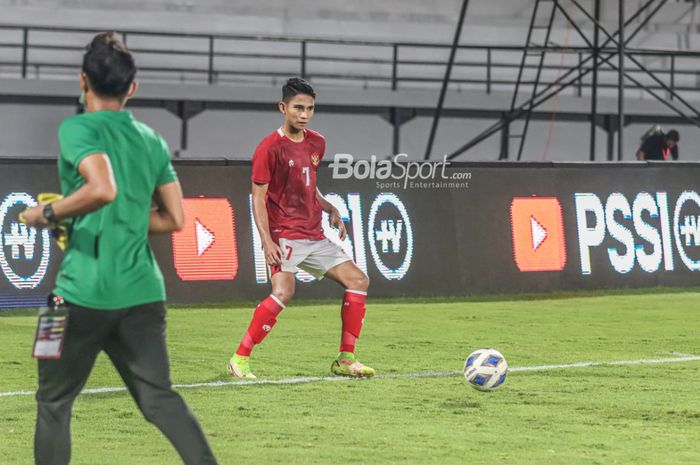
(99, 190)
(168, 215)
(333, 215)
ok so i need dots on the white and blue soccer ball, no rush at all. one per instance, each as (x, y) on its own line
(486, 369)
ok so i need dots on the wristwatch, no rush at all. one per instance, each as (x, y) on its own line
(49, 214)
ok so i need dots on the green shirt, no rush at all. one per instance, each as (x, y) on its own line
(108, 263)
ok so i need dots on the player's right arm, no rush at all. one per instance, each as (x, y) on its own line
(99, 188)
(273, 253)
(263, 170)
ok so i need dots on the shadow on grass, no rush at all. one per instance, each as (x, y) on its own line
(557, 295)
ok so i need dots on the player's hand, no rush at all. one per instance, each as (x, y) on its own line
(337, 222)
(273, 253)
(34, 216)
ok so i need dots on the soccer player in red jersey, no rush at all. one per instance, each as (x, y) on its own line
(287, 208)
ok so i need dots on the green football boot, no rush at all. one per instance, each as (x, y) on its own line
(239, 367)
(347, 365)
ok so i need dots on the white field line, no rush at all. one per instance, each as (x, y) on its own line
(679, 354)
(425, 374)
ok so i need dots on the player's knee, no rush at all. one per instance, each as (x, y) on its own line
(152, 411)
(55, 408)
(284, 294)
(359, 283)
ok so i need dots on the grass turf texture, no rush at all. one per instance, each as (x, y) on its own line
(640, 414)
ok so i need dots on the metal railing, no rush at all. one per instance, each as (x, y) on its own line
(216, 59)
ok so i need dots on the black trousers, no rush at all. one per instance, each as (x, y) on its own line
(134, 339)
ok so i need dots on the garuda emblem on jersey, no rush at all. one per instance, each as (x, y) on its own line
(315, 159)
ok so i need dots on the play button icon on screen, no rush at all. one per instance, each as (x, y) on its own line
(538, 234)
(205, 249)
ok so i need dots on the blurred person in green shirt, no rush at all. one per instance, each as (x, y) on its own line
(112, 170)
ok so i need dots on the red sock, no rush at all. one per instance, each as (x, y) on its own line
(264, 319)
(352, 314)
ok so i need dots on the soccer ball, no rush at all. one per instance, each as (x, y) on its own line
(485, 369)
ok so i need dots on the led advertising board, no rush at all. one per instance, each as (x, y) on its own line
(458, 230)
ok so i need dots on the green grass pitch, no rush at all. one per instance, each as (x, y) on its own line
(610, 414)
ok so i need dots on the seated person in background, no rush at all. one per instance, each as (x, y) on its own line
(657, 145)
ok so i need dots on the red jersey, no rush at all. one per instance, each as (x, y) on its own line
(289, 168)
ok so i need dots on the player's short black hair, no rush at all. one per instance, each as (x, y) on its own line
(108, 65)
(673, 135)
(296, 86)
